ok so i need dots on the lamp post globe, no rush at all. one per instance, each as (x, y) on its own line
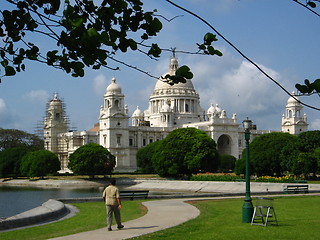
(247, 208)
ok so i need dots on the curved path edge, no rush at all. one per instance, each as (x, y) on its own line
(161, 214)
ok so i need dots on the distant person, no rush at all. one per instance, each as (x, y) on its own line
(111, 197)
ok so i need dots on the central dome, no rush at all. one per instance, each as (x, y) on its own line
(161, 84)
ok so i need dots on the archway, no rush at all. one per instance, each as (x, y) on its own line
(224, 144)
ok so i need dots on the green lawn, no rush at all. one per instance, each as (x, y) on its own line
(221, 219)
(92, 216)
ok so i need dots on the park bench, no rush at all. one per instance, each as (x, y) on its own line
(240, 180)
(134, 194)
(296, 189)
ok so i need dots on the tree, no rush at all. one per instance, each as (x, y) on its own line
(308, 141)
(240, 166)
(185, 151)
(39, 163)
(10, 161)
(265, 152)
(10, 138)
(91, 159)
(304, 163)
(295, 156)
(144, 156)
(227, 163)
(87, 34)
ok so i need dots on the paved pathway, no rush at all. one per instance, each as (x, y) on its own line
(161, 214)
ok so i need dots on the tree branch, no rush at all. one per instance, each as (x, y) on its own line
(306, 6)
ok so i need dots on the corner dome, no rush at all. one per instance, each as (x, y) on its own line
(113, 88)
(137, 113)
(293, 101)
(56, 100)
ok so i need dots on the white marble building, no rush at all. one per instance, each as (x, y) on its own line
(170, 107)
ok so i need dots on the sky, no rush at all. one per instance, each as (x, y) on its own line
(280, 36)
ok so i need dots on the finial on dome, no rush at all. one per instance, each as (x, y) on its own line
(173, 52)
(173, 62)
(113, 79)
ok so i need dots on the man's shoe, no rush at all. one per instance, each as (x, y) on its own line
(109, 229)
(120, 227)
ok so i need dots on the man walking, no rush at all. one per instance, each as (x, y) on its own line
(111, 197)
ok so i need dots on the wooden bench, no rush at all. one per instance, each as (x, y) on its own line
(296, 189)
(134, 194)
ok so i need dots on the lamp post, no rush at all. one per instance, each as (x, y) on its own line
(247, 208)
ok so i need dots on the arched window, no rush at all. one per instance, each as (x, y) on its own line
(187, 108)
(116, 104)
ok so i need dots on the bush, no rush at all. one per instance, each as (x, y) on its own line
(144, 157)
(10, 161)
(227, 163)
(185, 151)
(92, 159)
(214, 177)
(39, 163)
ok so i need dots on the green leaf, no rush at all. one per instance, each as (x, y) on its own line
(302, 88)
(218, 53)
(307, 82)
(9, 71)
(312, 4)
(209, 38)
(316, 85)
(92, 32)
(184, 71)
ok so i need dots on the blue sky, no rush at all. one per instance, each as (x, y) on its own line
(280, 36)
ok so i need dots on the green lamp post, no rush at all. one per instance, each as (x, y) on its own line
(247, 208)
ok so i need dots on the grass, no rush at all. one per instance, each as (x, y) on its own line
(92, 216)
(298, 218)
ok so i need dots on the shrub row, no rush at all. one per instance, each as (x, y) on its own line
(214, 177)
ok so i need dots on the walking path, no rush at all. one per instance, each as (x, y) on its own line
(168, 213)
(161, 214)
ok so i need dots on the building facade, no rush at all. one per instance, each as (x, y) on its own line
(170, 107)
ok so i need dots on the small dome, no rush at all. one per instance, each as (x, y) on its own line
(56, 100)
(137, 113)
(292, 100)
(113, 88)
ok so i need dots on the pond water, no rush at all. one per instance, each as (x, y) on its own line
(17, 199)
(14, 200)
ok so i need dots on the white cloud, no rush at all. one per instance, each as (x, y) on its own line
(7, 119)
(99, 84)
(3, 107)
(36, 96)
(315, 124)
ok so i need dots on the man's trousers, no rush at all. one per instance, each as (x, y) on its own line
(113, 209)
